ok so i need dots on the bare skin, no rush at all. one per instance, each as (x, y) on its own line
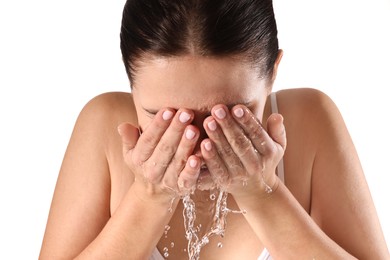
(114, 190)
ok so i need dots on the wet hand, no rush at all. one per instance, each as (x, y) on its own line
(240, 154)
(161, 158)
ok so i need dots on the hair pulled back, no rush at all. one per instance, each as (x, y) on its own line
(216, 28)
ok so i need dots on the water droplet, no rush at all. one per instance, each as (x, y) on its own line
(166, 229)
(212, 196)
(165, 249)
(172, 244)
(220, 245)
(166, 254)
(198, 228)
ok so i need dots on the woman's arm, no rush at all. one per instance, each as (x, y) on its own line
(344, 224)
(341, 202)
(79, 222)
(81, 203)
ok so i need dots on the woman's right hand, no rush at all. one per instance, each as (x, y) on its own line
(161, 158)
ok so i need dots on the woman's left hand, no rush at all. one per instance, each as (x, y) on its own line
(239, 153)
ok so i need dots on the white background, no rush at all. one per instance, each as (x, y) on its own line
(56, 55)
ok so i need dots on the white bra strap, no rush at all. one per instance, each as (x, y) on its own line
(274, 103)
(274, 109)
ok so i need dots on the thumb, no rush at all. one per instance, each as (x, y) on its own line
(129, 135)
(276, 129)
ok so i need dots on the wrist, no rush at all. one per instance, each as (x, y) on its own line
(256, 194)
(154, 196)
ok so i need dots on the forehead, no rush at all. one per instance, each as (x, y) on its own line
(195, 82)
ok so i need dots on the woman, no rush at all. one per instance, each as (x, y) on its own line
(202, 115)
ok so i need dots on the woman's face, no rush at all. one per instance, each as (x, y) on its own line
(196, 83)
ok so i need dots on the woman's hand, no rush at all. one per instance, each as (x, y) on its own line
(161, 158)
(240, 155)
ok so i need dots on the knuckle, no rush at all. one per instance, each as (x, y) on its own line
(148, 139)
(153, 175)
(178, 163)
(226, 151)
(166, 149)
(240, 141)
(257, 132)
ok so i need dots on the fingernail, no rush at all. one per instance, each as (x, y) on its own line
(184, 117)
(193, 163)
(220, 113)
(238, 112)
(212, 125)
(190, 134)
(208, 146)
(167, 115)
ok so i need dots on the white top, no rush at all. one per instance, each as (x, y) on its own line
(156, 255)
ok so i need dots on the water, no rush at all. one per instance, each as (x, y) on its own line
(196, 241)
(198, 236)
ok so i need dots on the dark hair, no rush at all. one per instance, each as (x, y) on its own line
(218, 28)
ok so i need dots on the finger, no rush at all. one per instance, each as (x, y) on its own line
(236, 137)
(152, 135)
(168, 144)
(277, 130)
(215, 165)
(183, 152)
(260, 139)
(129, 135)
(188, 177)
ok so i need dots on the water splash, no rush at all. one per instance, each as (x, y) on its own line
(195, 241)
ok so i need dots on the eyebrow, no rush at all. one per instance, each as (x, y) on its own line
(229, 106)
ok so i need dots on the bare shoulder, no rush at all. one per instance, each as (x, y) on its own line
(310, 111)
(111, 104)
(105, 112)
(310, 100)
